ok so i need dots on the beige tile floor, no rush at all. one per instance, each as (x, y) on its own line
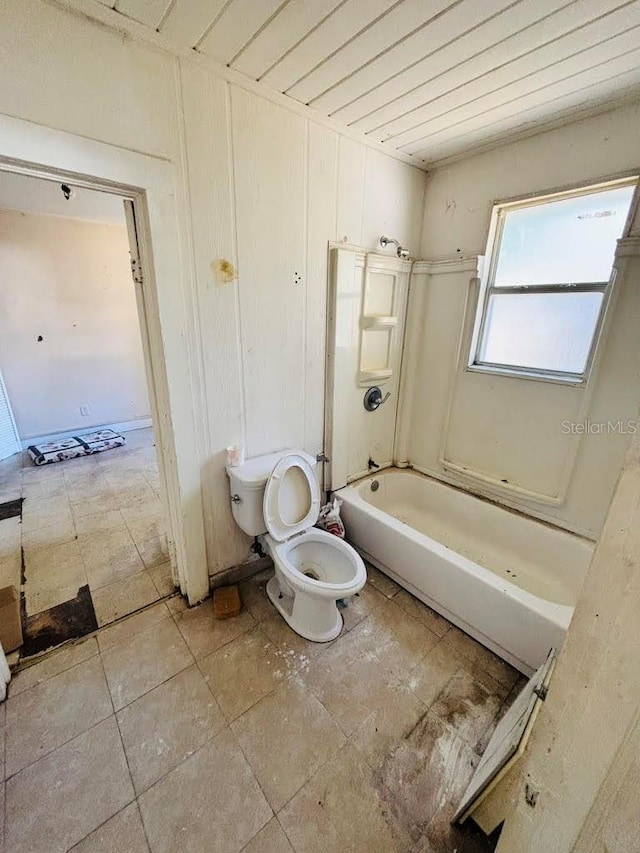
(95, 520)
(173, 733)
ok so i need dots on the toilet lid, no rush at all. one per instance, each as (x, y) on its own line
(291, 497)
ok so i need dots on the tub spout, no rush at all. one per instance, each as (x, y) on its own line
(372, 464)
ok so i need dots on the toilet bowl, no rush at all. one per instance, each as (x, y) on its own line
(314, 569)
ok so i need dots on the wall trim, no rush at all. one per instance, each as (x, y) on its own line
(119, 426)
(628, 246)
(441, 266)
(242, 572)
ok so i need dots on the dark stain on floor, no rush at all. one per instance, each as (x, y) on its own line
(11, 509)
(422, 781)
(66, 621)
(426, 772)
(468, 706)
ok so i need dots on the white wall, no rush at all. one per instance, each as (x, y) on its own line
(268, 190)
(68, 282)
(479, 429)
(582, 758)
(257, 184)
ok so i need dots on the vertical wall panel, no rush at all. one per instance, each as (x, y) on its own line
(321, 228)
(351, 166)
(269, 151)
(207, 132)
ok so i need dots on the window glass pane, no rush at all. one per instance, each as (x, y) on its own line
(548, 331)
(568, 241)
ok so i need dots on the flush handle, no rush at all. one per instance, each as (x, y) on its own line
(373, 398)
(236, 499)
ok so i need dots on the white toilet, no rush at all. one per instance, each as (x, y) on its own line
(277, 497)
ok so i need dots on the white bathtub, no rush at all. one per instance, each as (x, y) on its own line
(507, 580)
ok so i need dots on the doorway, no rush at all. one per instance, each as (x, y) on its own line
(84, 532)
(155, 186)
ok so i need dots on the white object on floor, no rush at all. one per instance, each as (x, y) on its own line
(277, 497)
(507, 580)
(5, 674)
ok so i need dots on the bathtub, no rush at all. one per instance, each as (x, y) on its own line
(505, 579)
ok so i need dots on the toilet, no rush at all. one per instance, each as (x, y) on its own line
(277, 498)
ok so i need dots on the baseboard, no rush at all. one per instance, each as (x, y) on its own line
(121, 426)
(243, 572)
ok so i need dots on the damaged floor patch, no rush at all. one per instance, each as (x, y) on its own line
(429, 769)
(67, 621)
(426, 775)
(11, 509)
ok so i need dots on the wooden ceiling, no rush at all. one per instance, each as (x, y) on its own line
(430, 78)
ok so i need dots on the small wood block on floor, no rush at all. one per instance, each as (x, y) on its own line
(226, 602)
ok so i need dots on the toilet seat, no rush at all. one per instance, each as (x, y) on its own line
(291, 500)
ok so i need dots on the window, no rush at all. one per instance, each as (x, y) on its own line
(549, 276)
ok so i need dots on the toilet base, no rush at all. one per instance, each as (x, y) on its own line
(313, 618)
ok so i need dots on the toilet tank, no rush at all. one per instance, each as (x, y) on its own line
(247, 484)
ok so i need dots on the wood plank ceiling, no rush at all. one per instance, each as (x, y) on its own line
(431, 78)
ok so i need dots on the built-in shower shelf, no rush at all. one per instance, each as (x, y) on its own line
(378, 322)
(374, 377)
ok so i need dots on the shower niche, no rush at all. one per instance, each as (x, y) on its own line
(381, 303)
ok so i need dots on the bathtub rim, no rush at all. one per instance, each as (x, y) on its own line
(559, 613)
(588, 538)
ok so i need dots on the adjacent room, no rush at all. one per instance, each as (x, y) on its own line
(82, 536)
(319, 452)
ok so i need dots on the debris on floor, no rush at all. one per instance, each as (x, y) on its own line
(74, 447)
(362, 744)
(226, 602)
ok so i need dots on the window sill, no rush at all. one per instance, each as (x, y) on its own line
(537, 376)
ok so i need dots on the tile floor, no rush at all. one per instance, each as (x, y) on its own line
(94, 521)
(169, 731)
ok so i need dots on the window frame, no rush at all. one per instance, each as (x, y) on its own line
(488, 288)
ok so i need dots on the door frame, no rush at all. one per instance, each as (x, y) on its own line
(12, 421)
(151, 184)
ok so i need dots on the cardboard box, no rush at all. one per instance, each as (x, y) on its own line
(10, 624)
